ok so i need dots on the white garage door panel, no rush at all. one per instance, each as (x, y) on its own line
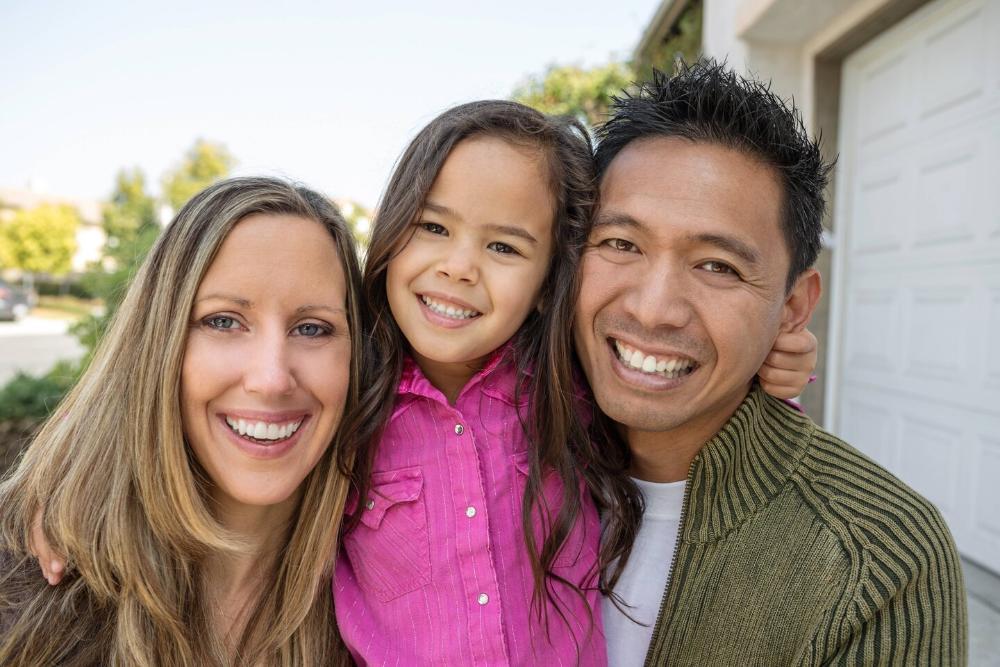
(916, 356)
(949, 454)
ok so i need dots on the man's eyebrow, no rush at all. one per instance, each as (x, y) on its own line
(512, 230)
(730, 244)
(616, 219)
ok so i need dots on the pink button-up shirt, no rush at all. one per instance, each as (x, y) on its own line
(437, 572)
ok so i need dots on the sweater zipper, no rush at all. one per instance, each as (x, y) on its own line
(658, 628)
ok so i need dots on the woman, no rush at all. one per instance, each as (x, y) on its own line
(191, 474)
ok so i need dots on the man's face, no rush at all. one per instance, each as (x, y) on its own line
(683, 285)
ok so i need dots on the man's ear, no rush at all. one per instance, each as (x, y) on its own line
(801, 301)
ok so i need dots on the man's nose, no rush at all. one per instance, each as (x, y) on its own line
(460, 264)
(269, 371)
(659, 298)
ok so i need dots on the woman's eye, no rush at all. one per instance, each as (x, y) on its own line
(433, 228)
(221, 322)
(312, 330)
(621, 245)
(719, 268)
(503, 248)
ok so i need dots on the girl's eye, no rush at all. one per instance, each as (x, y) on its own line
(433, 228)
(312, 330)
(719, 268)
(503, 248)
(621, 245)
(221, 322)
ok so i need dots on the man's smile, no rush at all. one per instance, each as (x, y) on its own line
(670, 366)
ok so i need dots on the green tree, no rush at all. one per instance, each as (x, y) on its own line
(129, 217)
(575, 91)
(205, 163)
(40, 240)
(130, 224)
(358, 219)
(682, 40)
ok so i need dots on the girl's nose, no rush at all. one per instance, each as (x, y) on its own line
(459, 265)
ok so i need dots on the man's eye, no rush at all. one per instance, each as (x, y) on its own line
(720, 268)
(221, 322)
(503, 248)
(312, 330)
(433, 228)
(621, 245)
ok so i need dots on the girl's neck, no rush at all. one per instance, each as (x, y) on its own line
(449, 377)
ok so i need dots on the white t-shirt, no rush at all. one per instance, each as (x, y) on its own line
(644, 580)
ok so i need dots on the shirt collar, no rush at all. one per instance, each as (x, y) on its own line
(497, 377)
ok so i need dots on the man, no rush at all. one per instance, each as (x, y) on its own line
(765, 540)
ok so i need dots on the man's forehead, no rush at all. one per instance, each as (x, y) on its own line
(675, 190)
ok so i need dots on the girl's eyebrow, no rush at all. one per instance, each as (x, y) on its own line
(511, 230)
(440, 209)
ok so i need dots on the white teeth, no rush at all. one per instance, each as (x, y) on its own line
(647, 363)
(448, 311)
(263, 430)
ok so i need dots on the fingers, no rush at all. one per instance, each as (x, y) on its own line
(52, 564)
(788, 361)
(797, 342)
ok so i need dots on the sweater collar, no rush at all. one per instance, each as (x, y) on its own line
(744, 466)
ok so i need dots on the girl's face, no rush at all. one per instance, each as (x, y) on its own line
(471, 272)
(267, 363)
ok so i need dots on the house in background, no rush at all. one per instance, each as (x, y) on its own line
(907, 93)
(90, 236)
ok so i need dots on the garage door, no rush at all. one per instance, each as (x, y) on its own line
(916, 346)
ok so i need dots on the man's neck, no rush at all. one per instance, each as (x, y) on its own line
(666, 456)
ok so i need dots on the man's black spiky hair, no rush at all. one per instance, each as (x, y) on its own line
(708, 102)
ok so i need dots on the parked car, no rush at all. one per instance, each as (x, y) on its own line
(15, 302)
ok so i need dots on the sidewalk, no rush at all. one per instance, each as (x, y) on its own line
(984, 615)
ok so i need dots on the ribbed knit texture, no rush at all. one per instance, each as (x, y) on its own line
(796, 549)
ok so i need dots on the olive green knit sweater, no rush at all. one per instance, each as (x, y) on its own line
(796, 549)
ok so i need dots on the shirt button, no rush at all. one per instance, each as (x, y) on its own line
(470, 511)
(483, 598)
(459, 429)
(370, 504)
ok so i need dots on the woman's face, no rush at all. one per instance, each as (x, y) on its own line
(267, 363)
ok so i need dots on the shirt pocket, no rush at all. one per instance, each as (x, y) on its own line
(575, 546)
(389, 548)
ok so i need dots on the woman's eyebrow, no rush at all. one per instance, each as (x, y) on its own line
(318, 306)
(238, 300)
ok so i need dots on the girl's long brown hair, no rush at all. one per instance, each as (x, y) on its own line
(126, 500)
(543, 355)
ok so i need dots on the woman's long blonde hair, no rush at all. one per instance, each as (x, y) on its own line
(125, 499)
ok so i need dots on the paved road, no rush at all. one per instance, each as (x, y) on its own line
(34, 345)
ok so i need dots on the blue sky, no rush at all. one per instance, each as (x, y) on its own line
(324, 92)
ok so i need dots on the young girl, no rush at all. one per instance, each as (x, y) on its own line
(472, 539)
